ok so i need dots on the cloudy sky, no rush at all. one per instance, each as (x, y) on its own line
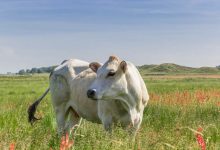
(35, 33)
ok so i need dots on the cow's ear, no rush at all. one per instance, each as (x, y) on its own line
(94, 66)
(123, 66)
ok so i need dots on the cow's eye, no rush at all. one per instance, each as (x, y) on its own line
(111, 74)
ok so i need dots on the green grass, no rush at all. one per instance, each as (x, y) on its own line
(167, 124)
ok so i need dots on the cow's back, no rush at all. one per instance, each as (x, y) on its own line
(61, 77)
(70, 68)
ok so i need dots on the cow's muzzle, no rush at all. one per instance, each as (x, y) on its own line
(91, 94)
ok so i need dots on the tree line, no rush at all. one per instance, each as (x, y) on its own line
(36, 70)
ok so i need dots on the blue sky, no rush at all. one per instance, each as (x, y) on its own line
(35, 33)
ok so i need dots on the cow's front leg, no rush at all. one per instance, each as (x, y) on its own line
(107, 123)
(105, 115)
(136, 122)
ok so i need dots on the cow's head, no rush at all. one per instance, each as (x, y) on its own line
(110, 82)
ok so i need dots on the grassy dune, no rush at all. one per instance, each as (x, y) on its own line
(170, 68)
(177, 108)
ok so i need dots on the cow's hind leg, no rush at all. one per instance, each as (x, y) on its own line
(60, 96)
(73, 120)
(60, 118)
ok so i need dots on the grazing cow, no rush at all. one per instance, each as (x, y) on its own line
(109, 94)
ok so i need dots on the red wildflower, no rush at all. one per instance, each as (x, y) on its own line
(66, 143)
(12, 146)
(200, 139)
(201, 96)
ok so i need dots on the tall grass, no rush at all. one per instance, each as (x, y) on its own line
(177, 108)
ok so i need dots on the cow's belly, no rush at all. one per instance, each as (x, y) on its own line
(87, 109)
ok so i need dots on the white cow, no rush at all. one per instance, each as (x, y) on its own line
(108, 94)
(121, 93)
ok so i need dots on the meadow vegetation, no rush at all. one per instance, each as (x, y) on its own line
(178, 110)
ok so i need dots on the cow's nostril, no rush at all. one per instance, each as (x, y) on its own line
(91, 93)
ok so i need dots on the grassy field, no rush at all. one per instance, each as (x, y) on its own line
(178, 107)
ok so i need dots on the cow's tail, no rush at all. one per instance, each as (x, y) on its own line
(33, 107)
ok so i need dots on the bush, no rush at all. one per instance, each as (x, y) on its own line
(22, 72)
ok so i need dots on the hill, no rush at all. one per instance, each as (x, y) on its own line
(170, 68)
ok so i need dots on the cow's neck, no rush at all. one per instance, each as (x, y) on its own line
(133, 87)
